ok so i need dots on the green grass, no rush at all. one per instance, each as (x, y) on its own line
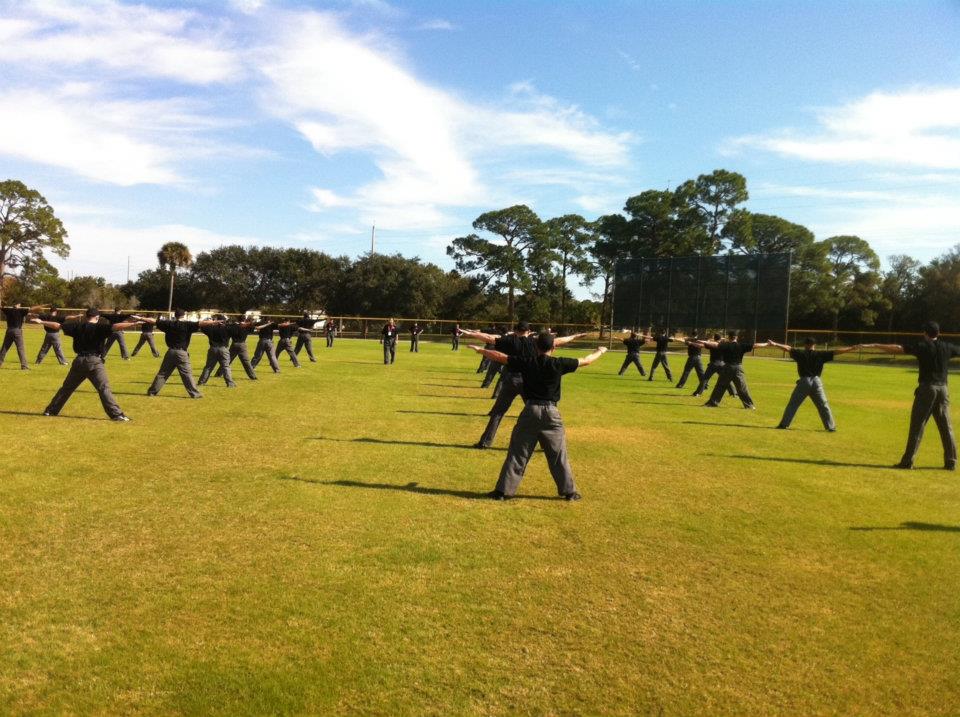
(312, 543)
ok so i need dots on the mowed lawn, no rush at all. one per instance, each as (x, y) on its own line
(316, 542)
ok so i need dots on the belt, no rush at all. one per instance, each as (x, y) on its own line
(933, 383)
(88, 354)
(538, 402)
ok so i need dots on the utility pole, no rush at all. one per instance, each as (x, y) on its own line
(373, 239)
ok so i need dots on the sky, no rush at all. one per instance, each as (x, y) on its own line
(305, 124)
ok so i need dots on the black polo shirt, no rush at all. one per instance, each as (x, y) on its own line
(306, 324)
(237, 332)
(415, 330)
(694, 350)
(633, 345)
(933, 356)
(810, 363)
(329, 328)
(662, 343)
(286, 332)
(56, 318)
(177, 332)
(146, 328)
(15, 316)
(732, 352)
(515, 345)
(541, 375)
(267, 331)
(114, 318)
(88, 338)
(716, 355)
(218, 335)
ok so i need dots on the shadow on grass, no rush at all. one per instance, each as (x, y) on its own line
(910, 525)
(442, 413)
(40, 414)
(144, 394)
(735, 425)
(384, 442)
(414, 488)
(810, 461)
(465, 384)
(438, 395)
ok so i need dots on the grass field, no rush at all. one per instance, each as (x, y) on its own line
(315, 542)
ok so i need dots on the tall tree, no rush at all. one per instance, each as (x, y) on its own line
(613, 238)
(28, 226)
(854, 276)
(172, 256)
(714, 197)
(503, 264)
(570, 237)
(899, 288)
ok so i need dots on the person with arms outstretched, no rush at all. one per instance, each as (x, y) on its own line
(732, 352)
(305, 326)
(15, 316)
(51, 336)
(177, 334)
(809, 384)
(633, 343)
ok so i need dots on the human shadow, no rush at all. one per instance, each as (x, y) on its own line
(40, 415)
(384, 442)
(131, 393)
(735, 425)
(438, 395)
(442, 413)
(466, 384)
(910, 525)
(808, 461)
(423, 490)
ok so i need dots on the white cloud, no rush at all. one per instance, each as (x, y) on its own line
(914, 128)
(436, 24)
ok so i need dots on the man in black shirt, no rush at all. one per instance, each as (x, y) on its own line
(660, 356)
(238, 331)
(15, 316)
(809, 367)
(51, 336)
(219, 352)
(415, 332)
(330, 329)
(539, 421)
(732, 352)
(633, 344)
(285, 333)
(931, 397)
(694, 350)
(388, 337)
(177, 334)
(265, 346)
(146, 337)
(305, 336)
(89, 335)
(714, 367)
(116, 337)
(455, 338)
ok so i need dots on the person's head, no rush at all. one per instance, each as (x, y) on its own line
(544, 342)
(810, 342)
(931, 329)
(93, 313)
(391, 322)
(717, 337)
(522, 327)
(633, 334)
(306, 315)
(732, 335)
(178, 313)
(694, 335)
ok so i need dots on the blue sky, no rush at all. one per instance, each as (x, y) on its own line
(301, 124)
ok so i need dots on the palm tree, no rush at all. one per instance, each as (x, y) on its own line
(173, 255)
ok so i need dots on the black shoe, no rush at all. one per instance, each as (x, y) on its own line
(781, 427)
(572, 496)
(480, 445)
(121, 418)
(710, 404)
(902, 466)
(496, 495)
(949, 466)
(831, 430)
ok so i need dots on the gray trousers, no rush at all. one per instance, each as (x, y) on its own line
(930, 400)
(14, 336)
(85, 368)
(537, 424)
(493, 368)
(660, 358)
(51, 340)
(284, 345)
(510, 387)
(456, 343)
(239, 350)
(693, 364)
(415, 344)
(146, 338)
(632, 359)
(484, 365)
(812, 387)
(389, 351)
(116, 337)
(330, 340)
(217, 355)
(714, 367)
(175, 359)
(305, 341)
(265, 346)
(731, 376)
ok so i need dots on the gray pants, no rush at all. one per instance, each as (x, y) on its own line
(415, 344)
(660, 357)
(456, 343)
(389, 351)
(931, 400)
(693, 364)
(714, 367)
(51, 340)
(14, 336)
(284, 345)
(510, 387)
(146, 338)
(493, 369)
(541, 424)
(810, 386)
(731, 376)
(83, 368)
(305, 340)
(265, 346)
(632, 359)
(484, 365)
(330, 341)
(217, 355)
(116, 337)
(239, 350)
(175, 359)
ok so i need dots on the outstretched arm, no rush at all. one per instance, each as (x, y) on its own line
(53, 325)
(564, 340)
(886, 348)
(782, 347)
(486, 338)
(706, 344)
(587, 360)
(846, 349)
(126, 325)
(495, 356)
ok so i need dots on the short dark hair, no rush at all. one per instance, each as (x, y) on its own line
(544, 341)
(93, 311)
(731, 335)
(931, 329)
(633, 334)
(810, 340)
(178, 313)
(522, 326)
(717, 337)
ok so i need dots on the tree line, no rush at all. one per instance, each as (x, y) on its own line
(513, 264)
